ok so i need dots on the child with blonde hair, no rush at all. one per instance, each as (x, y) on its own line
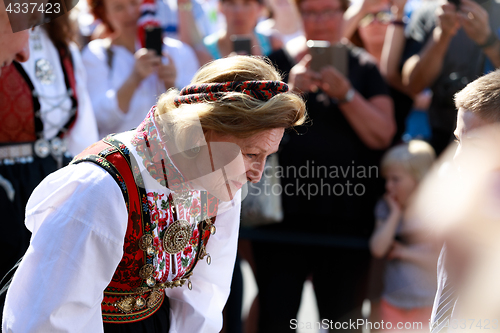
(410, 274)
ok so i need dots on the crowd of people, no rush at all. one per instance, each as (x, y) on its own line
(130, 127)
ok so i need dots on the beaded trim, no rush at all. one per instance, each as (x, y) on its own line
(261, 90)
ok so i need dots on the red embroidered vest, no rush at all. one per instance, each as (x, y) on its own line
(134, 294)
(17, 122)
(19, 108)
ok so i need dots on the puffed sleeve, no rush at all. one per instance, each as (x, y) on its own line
(78, 221)
(100, 88)
(84, 131)
(200, 309)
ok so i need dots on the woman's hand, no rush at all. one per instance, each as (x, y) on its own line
(447, 19)
(146, 62)
(167, 72)
(334, 83)
(302, 79)
(475, 21)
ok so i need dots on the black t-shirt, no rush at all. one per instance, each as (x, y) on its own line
(402, 107)
(326, 156)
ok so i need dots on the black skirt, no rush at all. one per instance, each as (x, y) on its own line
(158, 322)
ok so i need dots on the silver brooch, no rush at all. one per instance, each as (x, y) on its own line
(44, 71)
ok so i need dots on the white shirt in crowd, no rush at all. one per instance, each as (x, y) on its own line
(104, 82)
(55, 103)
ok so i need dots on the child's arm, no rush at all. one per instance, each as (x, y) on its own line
(383, 235)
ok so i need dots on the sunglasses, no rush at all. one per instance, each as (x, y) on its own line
(383, 17)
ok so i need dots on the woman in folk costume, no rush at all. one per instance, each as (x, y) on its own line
(117, 234)
(46, 118)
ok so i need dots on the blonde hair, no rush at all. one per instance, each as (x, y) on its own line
(482, 96)
(236, 113)
(416, 157)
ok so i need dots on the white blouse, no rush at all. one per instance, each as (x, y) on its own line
(78, 219)
(55, 103)
(103, 82)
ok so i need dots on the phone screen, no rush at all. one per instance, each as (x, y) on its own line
(324, 54)
(242, 44)
(154, 39)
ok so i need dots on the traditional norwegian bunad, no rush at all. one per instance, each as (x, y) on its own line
(45, 119)
(144, 232)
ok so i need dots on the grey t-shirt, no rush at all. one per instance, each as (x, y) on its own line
(406, 284)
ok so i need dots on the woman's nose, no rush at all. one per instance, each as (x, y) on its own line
(24, 54)
(254, 174)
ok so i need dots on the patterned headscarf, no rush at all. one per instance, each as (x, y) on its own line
(261, 90)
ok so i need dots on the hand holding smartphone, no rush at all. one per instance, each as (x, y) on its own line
(154, 39)
(325, 54)
(242, 44)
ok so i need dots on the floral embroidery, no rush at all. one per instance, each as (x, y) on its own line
(195, 208)
(161, 217)
(150, 148)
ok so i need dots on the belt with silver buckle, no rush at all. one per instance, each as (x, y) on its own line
(41, 148)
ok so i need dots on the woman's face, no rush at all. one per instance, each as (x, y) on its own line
(13, 46)
(399, 184)
(236, 161)
(241, 15)
(122, 15)
(372, 29)
(322, 19)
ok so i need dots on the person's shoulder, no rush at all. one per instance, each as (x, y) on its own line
(86, 174)
(179, 50)
(174, 43)
(211, 39)
(80, 192)
(296, 46)
(265, 26)
(68, 182)
(98, 44)
(96, 48)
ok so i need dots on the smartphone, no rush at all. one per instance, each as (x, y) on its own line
(325, 54)
(242, 44)
(154, 39)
